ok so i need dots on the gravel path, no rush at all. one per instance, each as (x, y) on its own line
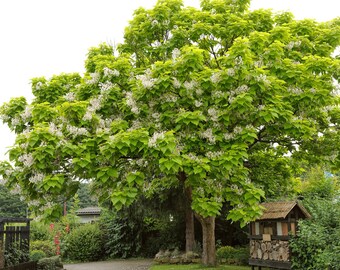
(111, 265)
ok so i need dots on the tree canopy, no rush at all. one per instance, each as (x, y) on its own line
(215, 98)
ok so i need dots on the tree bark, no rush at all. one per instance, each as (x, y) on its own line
(189, 215)
(208, 245)
(189, 229)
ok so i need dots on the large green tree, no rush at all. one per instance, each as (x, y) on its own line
(195, 97)
(10, 204)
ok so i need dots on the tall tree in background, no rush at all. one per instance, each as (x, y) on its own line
(212, 99)
(11, 205)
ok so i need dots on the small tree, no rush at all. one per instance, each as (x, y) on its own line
(197, 98)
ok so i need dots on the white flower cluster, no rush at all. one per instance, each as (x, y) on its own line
(258, 63)
(156, 136)
(33, 203)
(262, 78)
(329, 108)
(169, 98)
(176, 83)
(8, 172)
(239, 90)
(106, 86)
(132, 104)
(154, 22)
(70, 96)
(199, 91)
(109, 73)
(175, 53)
(142, 162)
(236, 189)
(238, 61)
(156, 116)
(26, 159)
(213, 155)
(44, 207)
(26, 115)
(54, 130)
(16, 121)
(193, 157)
(208, 134)
(293, 44)
(37, 178)
(146, 79)
(295, 90)
(104, 125)
(228, 136)
(216, 77)
(237, 130)
(219, 94)
(190, 85)
(135, 125)
(75, 131)
(95, 104)
(38, 85)
(198, 103)
(2, 181)
(146, 186)
(95, 77)
(23, 146)
(336, 91)
(231, 72)
(261, 107)
(213, 113)
(5, 118)
(156, 44)
(16, 190)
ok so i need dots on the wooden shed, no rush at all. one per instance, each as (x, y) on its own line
(269, 235)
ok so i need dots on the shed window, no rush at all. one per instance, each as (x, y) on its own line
(257, 228)
(279, 228)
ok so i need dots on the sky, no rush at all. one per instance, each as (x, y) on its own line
(46, 37)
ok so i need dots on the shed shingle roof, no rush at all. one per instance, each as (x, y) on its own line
(93, 210)
(278, 210)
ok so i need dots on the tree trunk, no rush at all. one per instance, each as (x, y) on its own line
(189, 230)
(209, 248)
(189, 215)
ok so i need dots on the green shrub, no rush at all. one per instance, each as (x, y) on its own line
(14, 255)
(232, 255)
(39, 231)
(317, 244)
(225, 253)
(84, 243)
(52, 263)
(44, 245)
(36, 255)
(123, 236)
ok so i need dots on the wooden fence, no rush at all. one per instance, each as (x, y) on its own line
(22, 266)
(14, 239)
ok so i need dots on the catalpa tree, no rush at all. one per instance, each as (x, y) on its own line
(194, 97)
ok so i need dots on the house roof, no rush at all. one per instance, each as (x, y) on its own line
(279, 210)
(92, 210)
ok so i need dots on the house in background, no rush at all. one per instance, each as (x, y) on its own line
(88, 214)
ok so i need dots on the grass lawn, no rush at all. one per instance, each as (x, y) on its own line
(197, 267)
